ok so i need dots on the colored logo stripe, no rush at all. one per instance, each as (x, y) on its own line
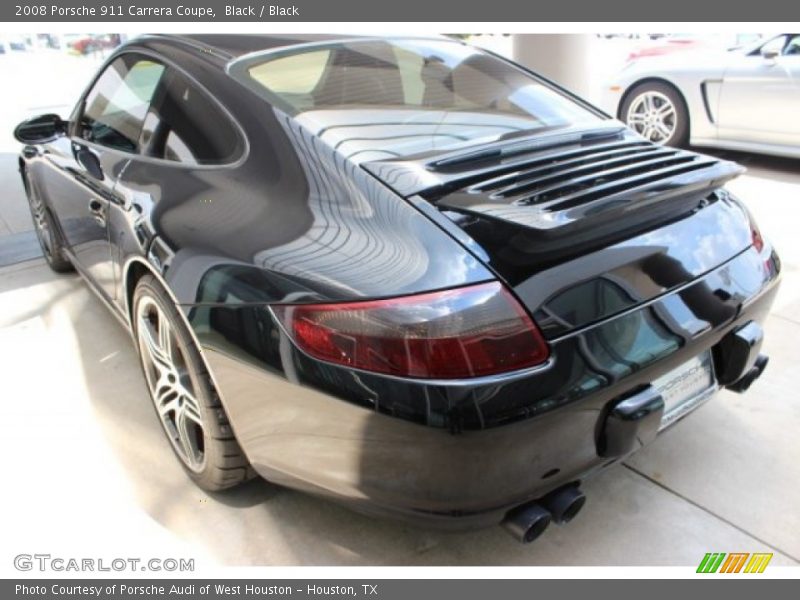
(734, 562)
(758, 562)
(711, 562)
(717, 562)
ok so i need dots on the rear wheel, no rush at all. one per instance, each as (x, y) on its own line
(183, 396)
(657, 112)
(46, 232)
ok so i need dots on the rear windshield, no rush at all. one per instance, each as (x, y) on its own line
(382, 99)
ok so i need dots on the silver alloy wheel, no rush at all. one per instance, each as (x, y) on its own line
(171, 387)
(652, 115)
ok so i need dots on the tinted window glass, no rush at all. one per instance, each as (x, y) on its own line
(115, 107)
(185, 125)
(293, 74)
(382, 99)
(774, 45)
(793, 46)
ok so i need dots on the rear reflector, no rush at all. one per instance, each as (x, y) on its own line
(466, 332)
(755, 234)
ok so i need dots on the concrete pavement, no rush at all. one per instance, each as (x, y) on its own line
(15, 217)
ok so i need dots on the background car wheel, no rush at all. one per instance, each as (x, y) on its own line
(657, 112)
(184, 398)
(46, 232)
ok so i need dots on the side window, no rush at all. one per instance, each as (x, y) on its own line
(185, 125)
(793, 47)
(116, 105)
(774, 45)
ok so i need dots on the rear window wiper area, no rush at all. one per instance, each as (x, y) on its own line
(536, 144)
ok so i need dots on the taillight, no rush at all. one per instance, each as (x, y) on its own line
(755, 236)
(466, 332)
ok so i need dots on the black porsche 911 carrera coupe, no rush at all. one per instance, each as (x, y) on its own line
(402, 273)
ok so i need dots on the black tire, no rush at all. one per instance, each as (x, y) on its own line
(680, 133)
(225, 465)
(47, 232)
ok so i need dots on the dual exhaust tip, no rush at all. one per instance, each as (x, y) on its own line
(529, 521)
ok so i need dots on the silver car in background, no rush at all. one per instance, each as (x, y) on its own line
(742, 99)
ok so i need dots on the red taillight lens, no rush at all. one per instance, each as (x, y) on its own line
(755, 235)
(466, 332)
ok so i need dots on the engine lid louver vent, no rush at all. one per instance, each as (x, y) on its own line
(579, 186)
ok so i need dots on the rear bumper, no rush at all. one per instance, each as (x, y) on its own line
(340, 434)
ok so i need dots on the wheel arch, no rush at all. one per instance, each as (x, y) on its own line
(22, 167)
(136, 267)
(134, 270)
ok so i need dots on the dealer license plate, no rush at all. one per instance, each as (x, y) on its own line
(686, 388)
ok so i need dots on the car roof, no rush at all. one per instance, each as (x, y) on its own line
(238, 44)
(227, 47)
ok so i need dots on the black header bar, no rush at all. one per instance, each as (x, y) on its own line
(338, 11)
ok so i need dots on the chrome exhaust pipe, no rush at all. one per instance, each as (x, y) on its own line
(527, 522)
(564, 504)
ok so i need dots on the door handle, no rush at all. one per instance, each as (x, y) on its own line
(98, 211)
(88, 160)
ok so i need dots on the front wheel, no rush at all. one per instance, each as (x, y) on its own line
(46, 232)
(658, 113)
(183, 396)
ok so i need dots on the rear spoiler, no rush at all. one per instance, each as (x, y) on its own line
(587, 185)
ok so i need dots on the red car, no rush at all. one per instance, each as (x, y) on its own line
(94, 43)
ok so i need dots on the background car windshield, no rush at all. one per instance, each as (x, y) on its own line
(387, 99)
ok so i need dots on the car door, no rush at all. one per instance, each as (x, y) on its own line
(760, 95)
(86, 165)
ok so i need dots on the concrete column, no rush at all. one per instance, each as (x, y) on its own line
(564, 58)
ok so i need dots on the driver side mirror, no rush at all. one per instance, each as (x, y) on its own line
(769, 54)
(41, 129)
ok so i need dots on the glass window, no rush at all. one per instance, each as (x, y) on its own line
(774, 45)
(293, 74)
(793, 46)
(115, 107)
(383, 99)
(185, 125)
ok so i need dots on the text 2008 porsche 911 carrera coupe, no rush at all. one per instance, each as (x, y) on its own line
(401, 273)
